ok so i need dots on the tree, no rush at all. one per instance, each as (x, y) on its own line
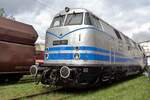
(2, 12)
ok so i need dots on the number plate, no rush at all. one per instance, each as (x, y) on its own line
(60, 42)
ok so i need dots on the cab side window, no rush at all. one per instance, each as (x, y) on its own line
(140, 47)
(87, 20)
(92, 20)
(118, 34)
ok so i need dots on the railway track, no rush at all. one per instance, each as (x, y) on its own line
(24, 94)
(56, 90)
(35, 94)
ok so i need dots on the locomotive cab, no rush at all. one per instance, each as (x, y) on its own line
(69, 31)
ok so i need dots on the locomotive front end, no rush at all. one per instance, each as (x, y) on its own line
(66, 44)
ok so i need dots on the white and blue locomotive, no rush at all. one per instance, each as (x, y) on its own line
(82, 49)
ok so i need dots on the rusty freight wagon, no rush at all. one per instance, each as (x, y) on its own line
(17, 49)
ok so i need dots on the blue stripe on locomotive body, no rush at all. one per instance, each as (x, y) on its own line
(118, 57)
(89, 48)
(87, 56)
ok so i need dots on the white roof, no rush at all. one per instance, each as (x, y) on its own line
(71, 10)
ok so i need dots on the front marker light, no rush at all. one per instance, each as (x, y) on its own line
(46, 55)
(77, 48)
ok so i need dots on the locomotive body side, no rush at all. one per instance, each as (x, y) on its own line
(82, 53)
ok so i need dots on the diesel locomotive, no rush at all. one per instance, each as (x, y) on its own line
(82, 49)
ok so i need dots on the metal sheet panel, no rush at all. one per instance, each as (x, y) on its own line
(13, 31)
(15, 57)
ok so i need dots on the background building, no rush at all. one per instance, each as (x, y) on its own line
(146, 46)
(39, 53)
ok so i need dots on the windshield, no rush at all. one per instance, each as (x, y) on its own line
(58, 21)
(74, 19)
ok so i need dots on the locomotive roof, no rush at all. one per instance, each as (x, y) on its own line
(79, 10)
(71, 10)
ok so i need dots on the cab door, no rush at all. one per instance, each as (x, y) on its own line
(119, 45)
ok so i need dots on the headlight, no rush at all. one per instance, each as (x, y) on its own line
(67, 9)
(76, 56)
(65, 72)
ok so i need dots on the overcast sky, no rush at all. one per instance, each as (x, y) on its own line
(132, 17)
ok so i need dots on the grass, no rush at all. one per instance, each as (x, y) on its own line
(137, 88)
(9, 91)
